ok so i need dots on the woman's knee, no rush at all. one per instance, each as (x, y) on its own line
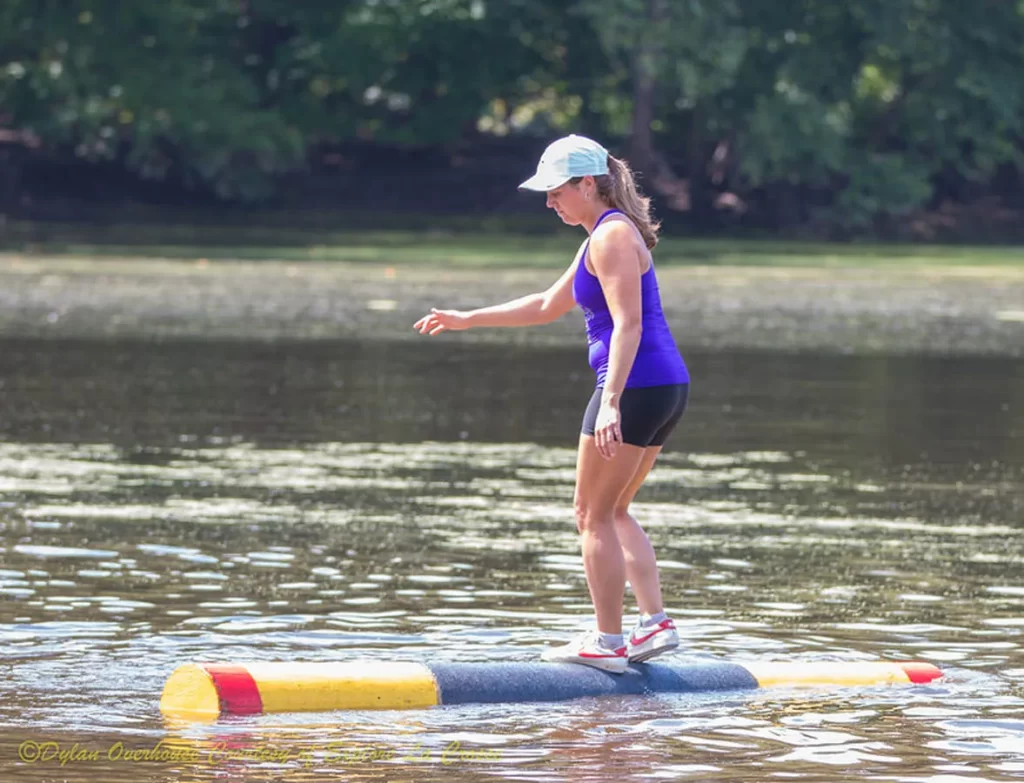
(589, 516)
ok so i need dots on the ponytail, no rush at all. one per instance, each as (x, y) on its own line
(618, 188)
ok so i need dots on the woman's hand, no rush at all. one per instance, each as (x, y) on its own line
(608, 429)
(441, 321)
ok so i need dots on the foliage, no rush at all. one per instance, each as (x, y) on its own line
(865, 108)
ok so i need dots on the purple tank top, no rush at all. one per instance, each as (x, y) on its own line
(658, 361)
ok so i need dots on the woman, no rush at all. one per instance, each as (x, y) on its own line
(642, 387)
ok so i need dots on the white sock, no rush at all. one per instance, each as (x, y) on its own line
(612, 641)
(654, 619)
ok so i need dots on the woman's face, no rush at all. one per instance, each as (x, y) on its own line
(570, 202)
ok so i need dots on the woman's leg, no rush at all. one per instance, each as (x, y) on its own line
(641, 565)
(599, 484)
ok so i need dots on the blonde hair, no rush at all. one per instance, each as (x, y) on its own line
(618, 188)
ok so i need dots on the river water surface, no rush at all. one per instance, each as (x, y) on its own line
(166, 502)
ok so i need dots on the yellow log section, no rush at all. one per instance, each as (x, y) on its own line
(300, 687)
(190, 693)
(834, 673)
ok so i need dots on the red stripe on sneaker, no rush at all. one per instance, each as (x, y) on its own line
(664, 626)
(621, 653)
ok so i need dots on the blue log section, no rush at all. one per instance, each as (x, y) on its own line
(521, 682)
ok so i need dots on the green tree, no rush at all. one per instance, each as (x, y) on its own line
(153, 79)
(869, 101)
(813, 110)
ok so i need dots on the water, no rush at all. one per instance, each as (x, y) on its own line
(170, 502)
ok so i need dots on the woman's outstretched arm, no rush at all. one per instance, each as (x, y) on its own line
(529, 310)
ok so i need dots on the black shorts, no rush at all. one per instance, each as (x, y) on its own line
(649, 413)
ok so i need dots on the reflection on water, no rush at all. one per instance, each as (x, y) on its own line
(162, 503)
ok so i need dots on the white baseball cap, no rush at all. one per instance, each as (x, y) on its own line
(568, 157)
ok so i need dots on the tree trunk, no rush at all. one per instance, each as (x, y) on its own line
(696, 164)
(644, 66)
(658, 176)
(11, 158)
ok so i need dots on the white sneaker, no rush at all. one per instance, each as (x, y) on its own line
(647, 642)
(588, 650)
